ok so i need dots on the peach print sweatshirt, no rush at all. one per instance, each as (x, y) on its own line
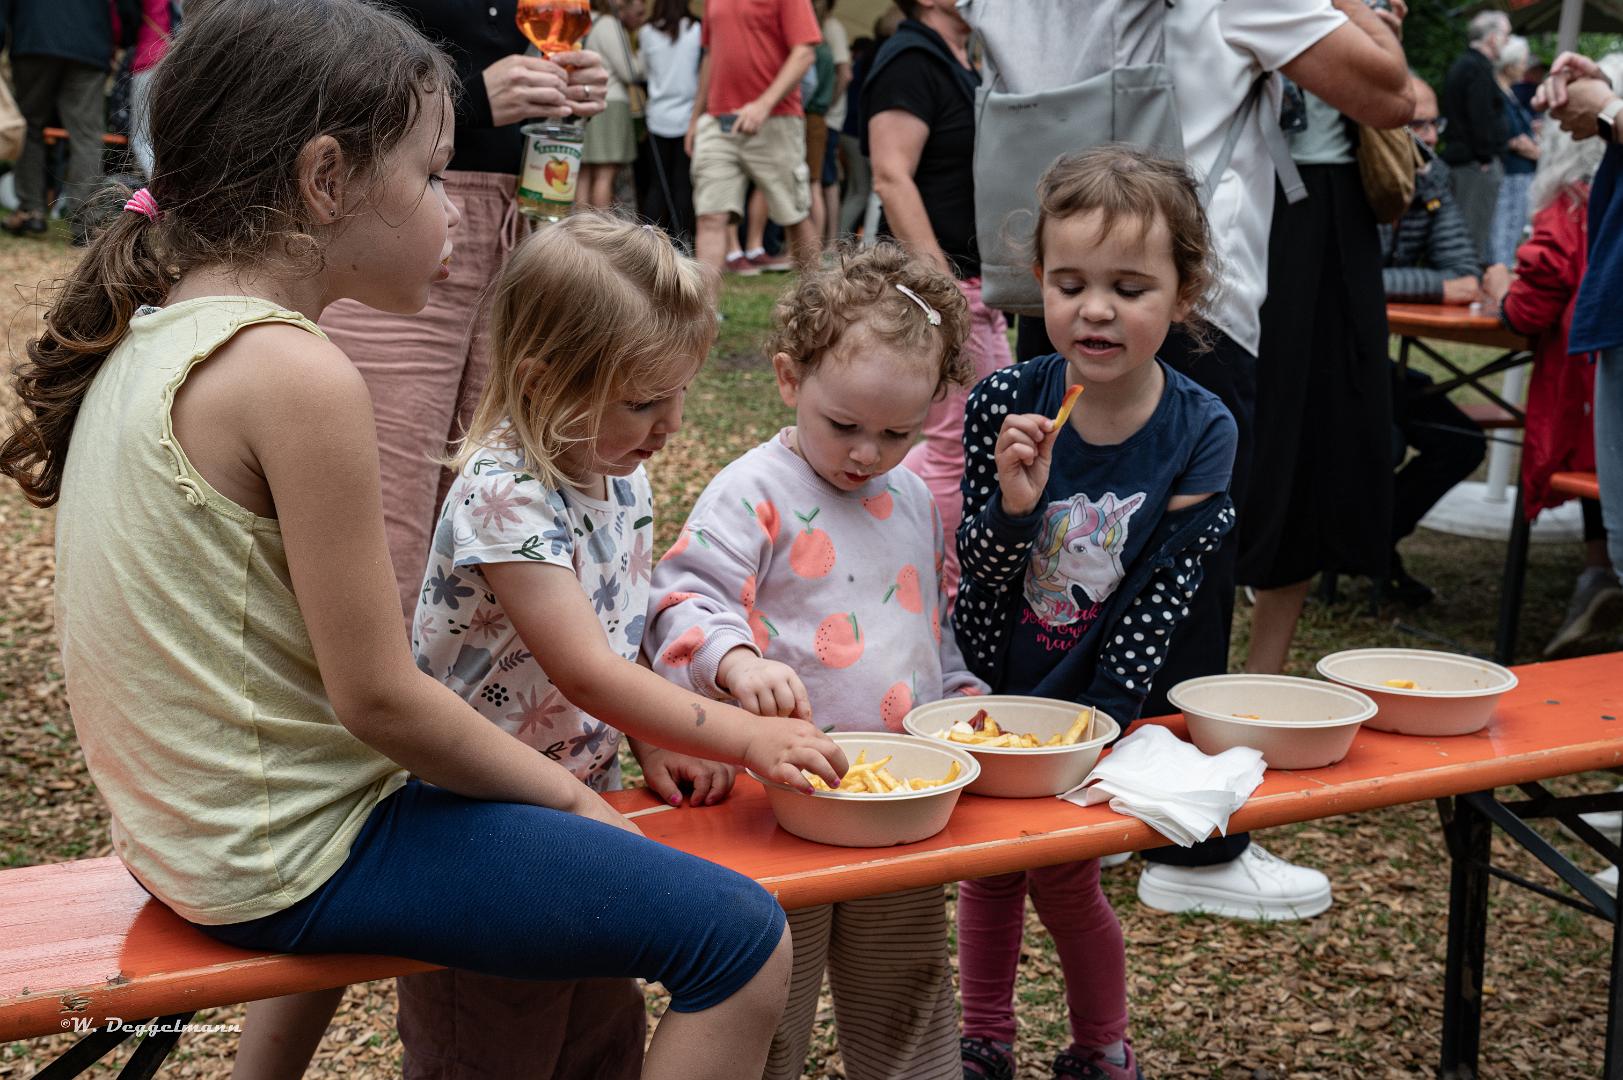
(844, 587)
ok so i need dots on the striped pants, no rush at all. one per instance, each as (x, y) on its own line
(891, 977)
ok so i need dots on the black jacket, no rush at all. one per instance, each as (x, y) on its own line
(1474, 107)
(78, 30)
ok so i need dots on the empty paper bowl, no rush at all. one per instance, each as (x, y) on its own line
(1296, 723)
(1452, 694)
(902, 817)
(1010, 772)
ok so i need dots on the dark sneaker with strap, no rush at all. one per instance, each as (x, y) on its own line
(986, 1059)
(1072, 1066)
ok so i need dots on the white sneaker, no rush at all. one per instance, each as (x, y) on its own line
(1108, 861)
(1607, 879)
(1256, 885)
(1609, 823)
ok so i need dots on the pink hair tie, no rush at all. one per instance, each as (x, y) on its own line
(142, 202)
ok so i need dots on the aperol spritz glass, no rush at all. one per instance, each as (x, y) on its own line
(554, 26)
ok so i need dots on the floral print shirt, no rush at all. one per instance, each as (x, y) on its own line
(498, 512)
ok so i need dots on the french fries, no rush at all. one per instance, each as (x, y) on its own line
(1066, 405)
(982, 730)
(1400, 684)
(873, 778)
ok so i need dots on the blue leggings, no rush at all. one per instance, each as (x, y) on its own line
(528, 893)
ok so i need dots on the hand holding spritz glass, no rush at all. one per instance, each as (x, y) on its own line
(546, 187)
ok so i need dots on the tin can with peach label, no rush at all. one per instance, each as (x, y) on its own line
(546, 186)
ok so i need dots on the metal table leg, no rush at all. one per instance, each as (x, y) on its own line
(1469, 835)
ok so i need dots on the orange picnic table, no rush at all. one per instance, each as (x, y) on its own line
(82, 942)
(1414, 323)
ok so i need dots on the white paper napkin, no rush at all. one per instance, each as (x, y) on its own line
(1170, 785)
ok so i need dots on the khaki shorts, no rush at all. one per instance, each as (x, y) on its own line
(774, 157)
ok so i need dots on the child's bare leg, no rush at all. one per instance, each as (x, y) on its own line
(727, 1040)
(281, 1034)
(1273, 625)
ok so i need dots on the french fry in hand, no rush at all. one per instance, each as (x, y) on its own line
(1067, 405)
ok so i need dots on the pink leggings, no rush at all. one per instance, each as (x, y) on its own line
(1069, 901)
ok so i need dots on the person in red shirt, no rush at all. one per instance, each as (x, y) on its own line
(748, 123)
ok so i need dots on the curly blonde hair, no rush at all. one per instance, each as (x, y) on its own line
(862, 287)
(587, 311)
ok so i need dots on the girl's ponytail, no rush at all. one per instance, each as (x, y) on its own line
(88, 315)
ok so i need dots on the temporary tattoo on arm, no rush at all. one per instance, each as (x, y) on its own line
(698, 715)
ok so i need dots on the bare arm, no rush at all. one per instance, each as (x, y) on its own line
(556, 620)
(795, 66)
(896, 138)
(307, 421)
(1358, 68)
(700, 103)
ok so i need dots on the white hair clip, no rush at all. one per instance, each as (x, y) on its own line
(931, 315)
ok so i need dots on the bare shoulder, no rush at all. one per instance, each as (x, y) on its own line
(272, 387)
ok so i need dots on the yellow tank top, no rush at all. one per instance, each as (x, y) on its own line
(234, 790)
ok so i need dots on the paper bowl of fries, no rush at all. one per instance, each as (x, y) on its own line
(899, 790)
(1422, 691)
(1295, 723)
(1028, 747)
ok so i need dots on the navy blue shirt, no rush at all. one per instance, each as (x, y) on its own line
(1100, 507)
(1597, 317)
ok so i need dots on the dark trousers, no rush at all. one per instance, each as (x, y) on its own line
(1200, 645)
(1448, 444)
(668, 193)
(75, 93)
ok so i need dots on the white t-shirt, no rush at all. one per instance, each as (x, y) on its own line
(672, 68)
(834, 37)
(1215, 50)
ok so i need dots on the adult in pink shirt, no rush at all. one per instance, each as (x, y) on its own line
(748, 124)
(159, 21)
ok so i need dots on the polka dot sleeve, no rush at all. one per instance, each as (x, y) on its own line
(992, 546)
(1134, 647)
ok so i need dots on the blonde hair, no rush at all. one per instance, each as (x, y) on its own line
(866, 286)
(587, 311)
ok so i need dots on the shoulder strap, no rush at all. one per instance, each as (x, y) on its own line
(1273, 136)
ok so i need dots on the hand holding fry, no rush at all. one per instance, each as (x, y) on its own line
(787, 750)
(1025, 447)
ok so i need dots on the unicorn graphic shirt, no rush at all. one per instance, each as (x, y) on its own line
(1099, 510)
(1077, 561)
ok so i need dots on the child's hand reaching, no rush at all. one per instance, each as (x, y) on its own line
(763, 687)
(1024, 449)
(782, 747)
(665, 772)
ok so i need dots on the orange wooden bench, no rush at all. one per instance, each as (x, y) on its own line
(55, 135)
(82, 942)
(1580, 485)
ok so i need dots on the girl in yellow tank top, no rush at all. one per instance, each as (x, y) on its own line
(236, 666)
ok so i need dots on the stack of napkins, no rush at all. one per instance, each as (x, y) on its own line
(1170, 785)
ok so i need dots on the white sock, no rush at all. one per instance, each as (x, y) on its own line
(755, 253)
(735, 254)
(1115, 1053)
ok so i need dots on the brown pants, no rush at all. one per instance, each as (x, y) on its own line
(891, 978)
(455, 1025)
(426, 371)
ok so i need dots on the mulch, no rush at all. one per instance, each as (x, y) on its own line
(1354, 993)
